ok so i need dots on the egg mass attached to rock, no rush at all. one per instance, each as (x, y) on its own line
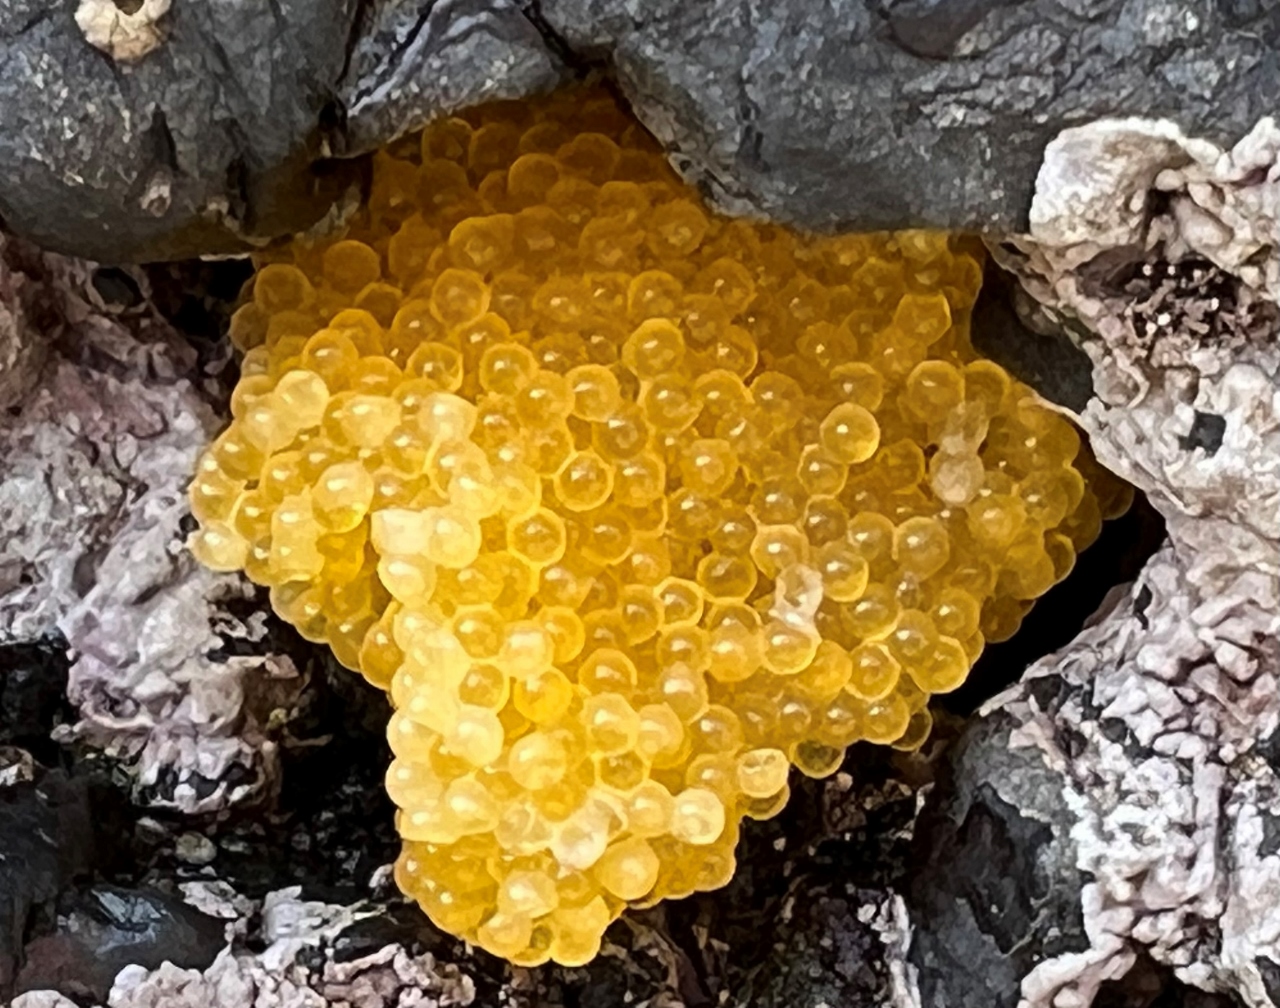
(630, 507)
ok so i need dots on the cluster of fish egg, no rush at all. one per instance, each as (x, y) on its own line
(629, 506)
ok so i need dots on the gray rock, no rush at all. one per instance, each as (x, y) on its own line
(45, 841)
(994, 883)
(867, 114)
(297, 967)
(223, 132)
(243, 122)
(1008, 328)
(104, 929)
(21, 355)
(206, 140)
(414, 59)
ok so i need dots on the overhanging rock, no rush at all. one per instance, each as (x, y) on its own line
(236, 123)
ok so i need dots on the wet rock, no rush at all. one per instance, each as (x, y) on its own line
(413, 59)
(912, 112)
(331, 824)
(46, 841)
(296, 941)
(810, 917)
(21, 311)
(208, 137)
(101, 930)
(829, 954)
(993, 883)
(200, 127)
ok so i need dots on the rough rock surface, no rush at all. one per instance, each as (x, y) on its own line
(294, 964)
(1127, 790)
(204, 125)
(413, 59)
(810, 921)
(97, 452)
(104, 929)
(1133, 774)
(208, 124)
(208, 136)
(45, 844)
(885, 113)
(811, 917)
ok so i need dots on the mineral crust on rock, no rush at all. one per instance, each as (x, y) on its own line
(1127, 788)
(1135, 769)
(125, 36)
(295, 969)
(97, 447)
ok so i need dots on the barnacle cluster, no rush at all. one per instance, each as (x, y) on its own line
(630, 507)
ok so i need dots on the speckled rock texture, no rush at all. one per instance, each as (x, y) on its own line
(411, 60)
(1132, 776)
(97, 442)
(292, 967)
(883, 113)
(189, 128)
(44, 844)
(206, 125)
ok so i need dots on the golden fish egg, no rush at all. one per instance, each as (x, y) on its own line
(631, 508)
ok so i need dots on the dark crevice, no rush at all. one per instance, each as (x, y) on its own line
(1270, 972)
(332, 124)
(33, 701)
(331, 824)
(390, 48)
(1141, 603)
(1150, 984)
(33, 22)
(164, 151)
(361, 19)
(395, 54)
(581, 64)
(239, 197)
(1207, 431)
(1118, 556)
(119, 291)
(1013, 331)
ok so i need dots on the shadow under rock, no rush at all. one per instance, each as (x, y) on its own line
(331, 825)
(1149, 984)
(1118, 556)
(33, 696)
(789, 928)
